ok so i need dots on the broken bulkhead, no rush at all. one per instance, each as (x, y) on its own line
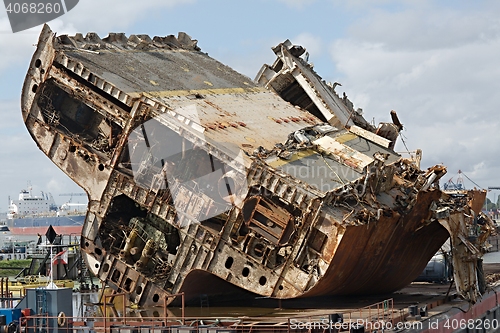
(194, 172)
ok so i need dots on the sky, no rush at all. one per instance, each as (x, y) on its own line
(434, 62)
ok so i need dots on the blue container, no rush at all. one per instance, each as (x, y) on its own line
(11, 315)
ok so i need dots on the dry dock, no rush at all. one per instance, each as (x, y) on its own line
(420, 307)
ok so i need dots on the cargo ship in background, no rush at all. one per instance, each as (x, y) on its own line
(32, 215)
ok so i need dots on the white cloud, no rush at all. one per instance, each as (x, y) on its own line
(36, 168)
(436, 66)
(359, 4)
(11, 115)
(21, 160)
(298, 4)
(312, 43)
(422, 27)
(89, 15)
(102, 16)
(15, 48)
(439, 71)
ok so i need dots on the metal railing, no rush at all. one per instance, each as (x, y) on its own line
(71, 241)
(372, 318)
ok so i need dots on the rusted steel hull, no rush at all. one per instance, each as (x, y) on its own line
(279, 188)
(370, 259)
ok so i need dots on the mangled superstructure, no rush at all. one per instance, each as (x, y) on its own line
(198, 176)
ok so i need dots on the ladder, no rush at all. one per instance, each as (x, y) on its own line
(41, 309)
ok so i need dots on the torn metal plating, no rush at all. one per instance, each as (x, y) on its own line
(196, 173)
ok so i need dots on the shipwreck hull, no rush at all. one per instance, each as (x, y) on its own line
(383, 256)
(367, 260)
(193, 169)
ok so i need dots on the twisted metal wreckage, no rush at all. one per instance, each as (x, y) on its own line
(199, 178)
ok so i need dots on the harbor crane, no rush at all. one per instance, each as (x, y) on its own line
(494, 195)
(72, 194)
